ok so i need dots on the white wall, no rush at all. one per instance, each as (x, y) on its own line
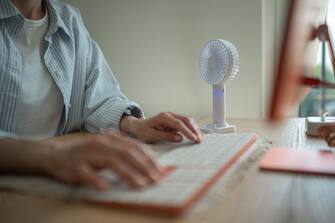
(153, 47)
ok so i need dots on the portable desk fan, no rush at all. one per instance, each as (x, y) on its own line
(218, 63)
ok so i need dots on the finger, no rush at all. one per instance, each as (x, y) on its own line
(330, 136)
(191, 124)
(177, 125)
(138, 161)
(154, 135)
(123, 170)
(324, 130)
(86, 175)
(147, 152)
(133, 153)
(141, 148)
(323, 133)
(330, 139)
(332, 142)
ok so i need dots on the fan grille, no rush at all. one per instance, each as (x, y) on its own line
(219, 61)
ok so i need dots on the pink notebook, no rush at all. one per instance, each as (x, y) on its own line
(299, 160)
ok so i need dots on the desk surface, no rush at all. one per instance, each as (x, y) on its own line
(258, 197)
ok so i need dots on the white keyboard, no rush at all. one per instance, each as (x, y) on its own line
(197, 167)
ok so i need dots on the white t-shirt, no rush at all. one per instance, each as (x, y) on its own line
(40, 105)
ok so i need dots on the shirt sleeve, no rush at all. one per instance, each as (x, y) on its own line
(6, 135)
(104, 103)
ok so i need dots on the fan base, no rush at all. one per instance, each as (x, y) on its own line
(219, 129)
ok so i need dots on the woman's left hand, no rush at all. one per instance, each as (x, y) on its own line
(165, 126)
(328, 133)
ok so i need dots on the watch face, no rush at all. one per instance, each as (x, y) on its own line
(127, 112)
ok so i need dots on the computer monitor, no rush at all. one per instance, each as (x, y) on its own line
(298, 55)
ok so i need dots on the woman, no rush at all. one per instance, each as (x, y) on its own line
(54, 81)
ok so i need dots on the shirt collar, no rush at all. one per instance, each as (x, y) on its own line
(56, 19)
(7, 10)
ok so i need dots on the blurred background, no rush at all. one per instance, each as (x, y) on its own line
(319, 101)
(153, 48)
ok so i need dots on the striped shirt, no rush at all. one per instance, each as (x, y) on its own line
(91, 95)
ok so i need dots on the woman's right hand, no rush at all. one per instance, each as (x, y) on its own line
(328, 133)
(78, 159)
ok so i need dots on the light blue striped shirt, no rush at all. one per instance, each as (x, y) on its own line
(91, 95)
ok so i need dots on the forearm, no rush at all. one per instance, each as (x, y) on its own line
(26, 156)
(23, 156)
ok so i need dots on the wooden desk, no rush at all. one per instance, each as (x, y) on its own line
(259, 197)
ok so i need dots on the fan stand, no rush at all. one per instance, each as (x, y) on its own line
(220, 124)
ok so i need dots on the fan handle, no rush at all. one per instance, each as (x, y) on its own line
(220, 124)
